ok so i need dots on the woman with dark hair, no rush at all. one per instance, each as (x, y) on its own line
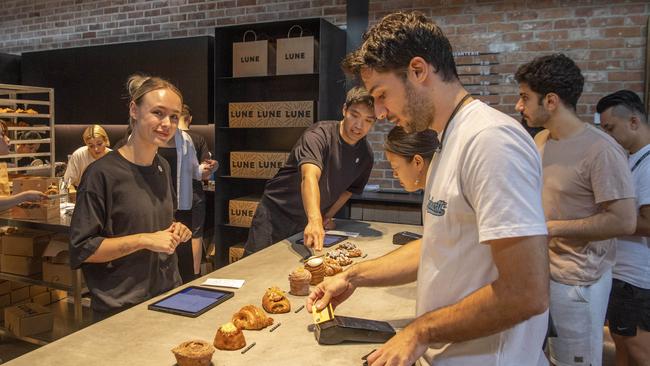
(123, 235)
(409, 155)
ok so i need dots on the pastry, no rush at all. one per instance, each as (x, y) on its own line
(19, 110)
(299, 282)
(30, 111)
(351, 248)
(6, 110)
(229, 338)
(193, 353)
(341, 256)
(250, 317)
(275, 301)
(317, 269)
(52, 190)
(332, 267)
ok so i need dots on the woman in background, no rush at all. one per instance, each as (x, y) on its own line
(409, 155)
(97, 145)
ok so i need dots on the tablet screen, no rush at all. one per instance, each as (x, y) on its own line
(191, 300)
(328, 241)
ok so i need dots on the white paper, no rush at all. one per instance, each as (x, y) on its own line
(224, 282)
(350, 234)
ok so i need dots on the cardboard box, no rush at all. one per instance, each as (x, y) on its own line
(5, 287)
(45, 210)
(256, 164)
(25, 266)
(271, 114)
(16, 285)
(241, 210)
(57, 295)
(58, 273)
(5, 300)
(36, 290)
(26, 243)
(19, 295)
(42, 299)
(235, 253)
(28, 319)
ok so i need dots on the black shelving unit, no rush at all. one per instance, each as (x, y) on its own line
(326, 86)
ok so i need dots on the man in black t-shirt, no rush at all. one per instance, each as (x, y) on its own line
(331, 161)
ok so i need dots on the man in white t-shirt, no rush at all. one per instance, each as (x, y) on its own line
(481, 267)
(623, 116)
(588, 200)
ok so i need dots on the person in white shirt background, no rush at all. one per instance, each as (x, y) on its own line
(96, 145)
(623, 116)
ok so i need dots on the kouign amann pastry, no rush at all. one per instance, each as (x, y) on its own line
(317, 269)
(229, 338)
(250, 317)
(332, 267)
(341, 256)
(194, 353)
(351, 248)
(275, 301)
(299, 282)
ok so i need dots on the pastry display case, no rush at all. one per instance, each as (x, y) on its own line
(29, 109)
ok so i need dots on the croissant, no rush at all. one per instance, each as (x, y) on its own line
(275, 301)
(251, 317)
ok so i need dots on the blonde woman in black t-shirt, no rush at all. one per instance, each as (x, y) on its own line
(123, 236)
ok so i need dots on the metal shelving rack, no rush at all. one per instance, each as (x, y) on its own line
(12, 96)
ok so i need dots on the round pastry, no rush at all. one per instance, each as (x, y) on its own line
(351, 248)
(332, 267)
(193, 353)
(275, 301)
(317, 269)
(299, 282)
(229, 338)
(250, 317)
(341, 256)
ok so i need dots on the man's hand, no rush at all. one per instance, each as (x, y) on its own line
(402, 350)
(333, 290)
(31, 196)
(314, 235)
(207, 168)
(329, 224)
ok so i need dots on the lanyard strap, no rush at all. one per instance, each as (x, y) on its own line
(453, 114)
(636, 165)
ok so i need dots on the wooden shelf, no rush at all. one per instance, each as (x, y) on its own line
(24, 115)
(6, 101)
(266, 77)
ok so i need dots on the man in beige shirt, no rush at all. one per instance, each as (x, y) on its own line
(588, 199)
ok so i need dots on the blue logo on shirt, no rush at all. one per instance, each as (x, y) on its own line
(438, 208)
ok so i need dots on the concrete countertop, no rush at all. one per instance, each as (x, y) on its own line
(142, 337)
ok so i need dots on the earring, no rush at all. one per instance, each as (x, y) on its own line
(417, 181)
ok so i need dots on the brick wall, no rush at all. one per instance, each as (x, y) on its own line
(606, 38)
(30, 25)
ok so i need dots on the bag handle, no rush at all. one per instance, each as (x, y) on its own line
(249, 31)
(292, 27)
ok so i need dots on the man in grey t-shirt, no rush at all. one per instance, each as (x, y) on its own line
(331, 161)
(588, 201)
